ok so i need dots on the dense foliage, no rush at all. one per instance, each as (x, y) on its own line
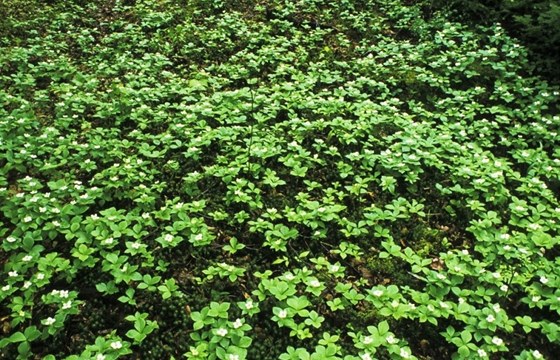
(536, 23)
(273, 179)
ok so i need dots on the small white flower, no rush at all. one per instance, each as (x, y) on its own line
(404, 353)
(94, 217)
(168, 238)
(497, 341)
(67, 305)
(237, 324)
(49, 321)
(377, 293)
(249, 304)
(535, 298)
(544, 280)
(11, 239)
(27, 258)
(63, 294)
(391, 339)
(534, 226)
(440, 276)
(27, 219)
(6, 287)
(505, 236)
(40, 276)
(233, 357)
(282, 314)
(334, 268)
(504, 288)
(314, 283)
(368, 340)
(289, 277)
(27, 284)
(100, 357)
(222, 332)
(13, 273)
(490, 318)
(198, 237)
(116, 345)
(496, 275)
(366, 356)
(145, 215)
(135, 245)
(482, 353)
(108, 241)
(537, 354)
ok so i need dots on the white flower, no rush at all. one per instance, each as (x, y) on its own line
(100, 357)
(404, 353)
(198, 237)
(222, 332)
(5, 287)
(145, 215)
(534, 226)
(116, 345)
(377, 292)
(497, 341)
(391, 339)
(504, 288)
(49, 321)
(27, 258)
(108, 241)
(135, 245)
(67, 305)
(27, 219)
(368, 340)
(543, 280)
(440, 276)
(249, 304)
(282, 314)
(535, 298)
(63, 294)
(490, 318)
(289, 277)
(233, 357)
(482, 353)
(237, 324)
(40, 276)
(314, 283)
(11, 239)
(168, 238)
(366, 356)
(537, 354)
(27, 284)
(13, 273)
(496, 275)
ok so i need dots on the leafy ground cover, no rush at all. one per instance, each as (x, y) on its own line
(273, 179)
